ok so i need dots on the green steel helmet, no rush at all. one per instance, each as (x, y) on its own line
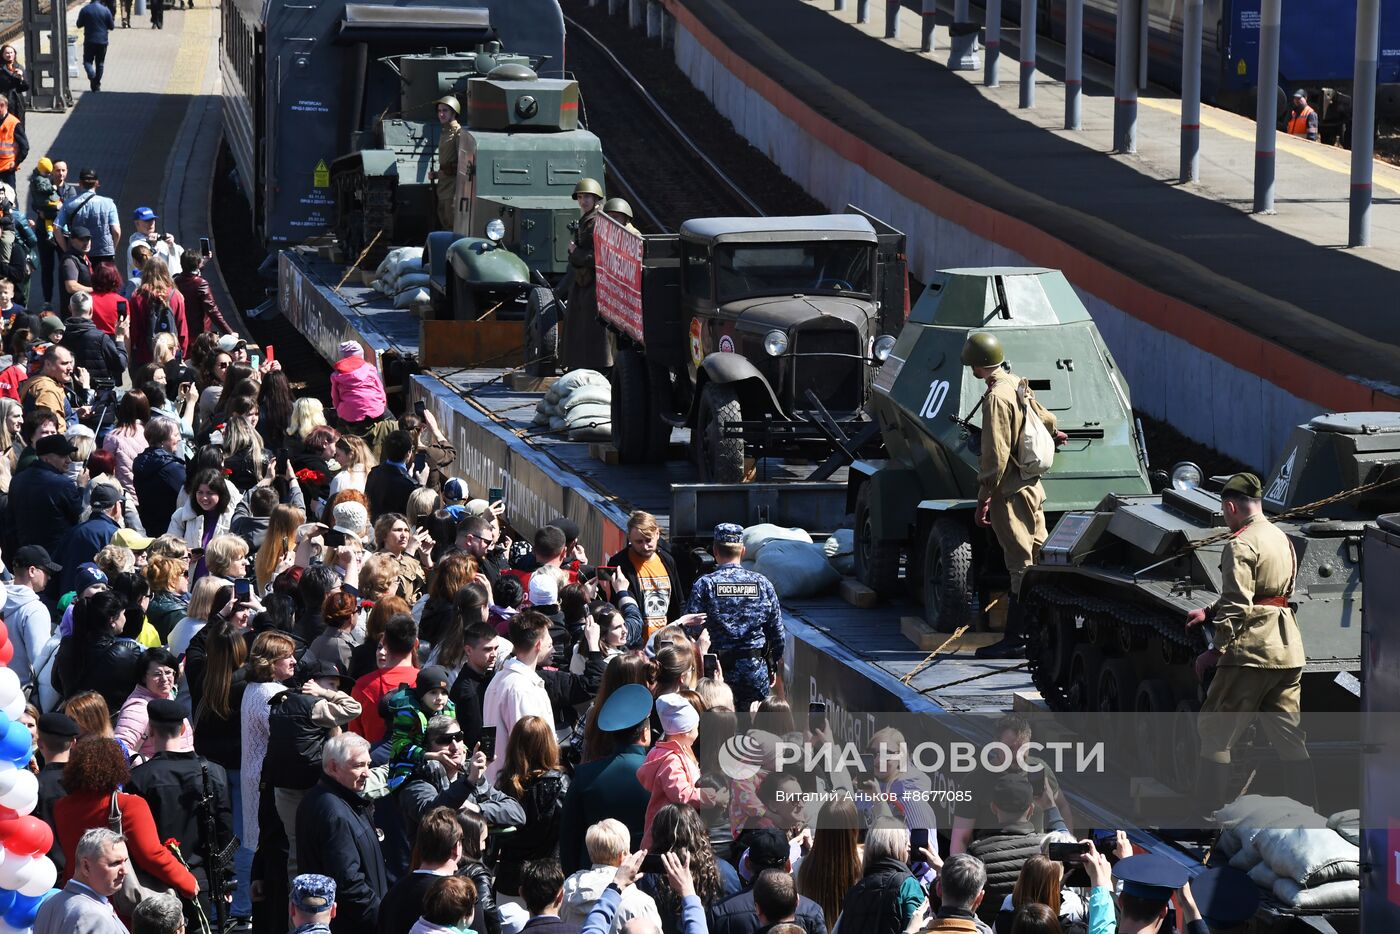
(451, 101)
(618, 206)
(982, 349)
(588, 186)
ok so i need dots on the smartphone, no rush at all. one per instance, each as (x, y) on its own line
(496, 494)
(711, 665)
(254, 360)
(816, 716)
(1067, 852)
(332, 538)
(196, 554)
(1105, 841)
(1038, 781)
(121, 309)
(420, 461)
(204, 248)
(488, 742)
(242, 589)
(267, 352)
(652, 863)
(283, 456)
(420, 408)
(918, 839)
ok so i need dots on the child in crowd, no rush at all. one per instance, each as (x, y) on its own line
(671, 772)
(410, 709)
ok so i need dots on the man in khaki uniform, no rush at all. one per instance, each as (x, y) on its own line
(585, 345)
(1008, 502)
(448, 110)
(1257, 649)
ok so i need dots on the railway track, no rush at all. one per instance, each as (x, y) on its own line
(667, 176)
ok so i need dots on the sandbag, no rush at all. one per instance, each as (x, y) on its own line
(572, 380)
(413, 280)
(756, 536)
(598, 432)
(797, 569)
(590, 414)
(1345, 894)
(543, 412)
(1243, 809)
(1246, 857)
(1310, 856)
(1348, 824)
(409, 297)
(1262, 876)
(588, 394)
(556, 423)
(840, 550)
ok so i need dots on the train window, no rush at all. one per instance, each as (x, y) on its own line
(697, 271)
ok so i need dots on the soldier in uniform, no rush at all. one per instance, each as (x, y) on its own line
(743, 616)
(448, 110)
(179, 786)
(619, 210)
(1257, 648)
(585, 345)
(1011, 504)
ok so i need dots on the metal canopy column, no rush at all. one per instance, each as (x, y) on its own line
(46, 55)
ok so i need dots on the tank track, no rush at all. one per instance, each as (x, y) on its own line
(1140, 622)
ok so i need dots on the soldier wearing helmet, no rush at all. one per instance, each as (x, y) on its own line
(585, 345)
(1012, 505)
(619, 210)
(448, 110)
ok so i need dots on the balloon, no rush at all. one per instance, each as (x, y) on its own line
(22, 797)
(28, 836)
(16, 742)
(7, 898)
(8, 770)
(4, 631)
(10, 868)
(15, 708)
(22, 912)
(7, 653)
(8, 814)
(9, 687)
(42, 875)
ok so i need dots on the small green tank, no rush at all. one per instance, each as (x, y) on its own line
(1114, 583)
(382, 184)
(914, 510)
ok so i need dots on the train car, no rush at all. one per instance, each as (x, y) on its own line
(301, 78)
(1316, 46)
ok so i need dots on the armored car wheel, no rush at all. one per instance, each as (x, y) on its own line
(949, 595)
(637, 430)
(541, 332)
(720, 458)
(1186, 746)
(1082, 688)
(877, 561)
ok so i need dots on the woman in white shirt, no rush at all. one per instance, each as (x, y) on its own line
(356, 461)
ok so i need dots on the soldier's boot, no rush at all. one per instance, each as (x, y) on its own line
(1013, 641)
(1213, 786)
(1300, 782)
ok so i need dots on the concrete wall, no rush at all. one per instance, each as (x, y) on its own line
(1171, 379)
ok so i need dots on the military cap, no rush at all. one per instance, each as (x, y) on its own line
(59, 725)
(982, 348)
(1150, 876)
(1012, 794)
(1226, 897)
(313, 893)
(729, 533)
(625, 708)
(161, 710)
(1243, 484)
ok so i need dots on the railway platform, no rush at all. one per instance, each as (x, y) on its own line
(1199, 299)
(152, 132)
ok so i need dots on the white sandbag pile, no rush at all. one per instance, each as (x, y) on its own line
(577, 406)
(402, 277)
(796, 565)
(1304, 859)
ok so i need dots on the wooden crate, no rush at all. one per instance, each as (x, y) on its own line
(471, 343)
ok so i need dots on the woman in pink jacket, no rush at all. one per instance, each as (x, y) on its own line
(159, 669)
(357, 392)
(671, 770)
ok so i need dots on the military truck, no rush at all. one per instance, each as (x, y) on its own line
(914, 508)
(382, 185)
(520, 156)
(760, 334)
(1115, 582)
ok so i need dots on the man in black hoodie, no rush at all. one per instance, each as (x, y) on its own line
(93, 349)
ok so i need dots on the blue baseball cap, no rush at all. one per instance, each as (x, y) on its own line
(625, 708)
(143, 214)
(729, 533)
(313, 893)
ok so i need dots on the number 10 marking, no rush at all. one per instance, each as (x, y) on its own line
(933, 402)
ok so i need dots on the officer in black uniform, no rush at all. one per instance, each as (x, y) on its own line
(180, 787)
(743, 616)
(57, 736)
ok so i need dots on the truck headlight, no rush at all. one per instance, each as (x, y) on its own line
(884, 345)
(1186, 476)
(495, 230)
(775, 343)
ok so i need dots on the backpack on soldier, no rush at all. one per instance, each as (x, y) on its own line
(162, 321)
(1035, 448)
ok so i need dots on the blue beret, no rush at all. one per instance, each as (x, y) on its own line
(729, 533)
(625, 708)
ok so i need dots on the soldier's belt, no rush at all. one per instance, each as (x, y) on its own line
(1280, 602)
(739, 655)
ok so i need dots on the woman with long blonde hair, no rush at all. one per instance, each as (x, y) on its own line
(279, 540)
(833, 865)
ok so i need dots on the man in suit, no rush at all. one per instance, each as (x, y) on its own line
(83, 907)
(542, 890)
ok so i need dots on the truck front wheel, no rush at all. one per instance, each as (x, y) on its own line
(720, 458)
(949, 591)
(637, 428)
(541, 332)
(877, 561)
